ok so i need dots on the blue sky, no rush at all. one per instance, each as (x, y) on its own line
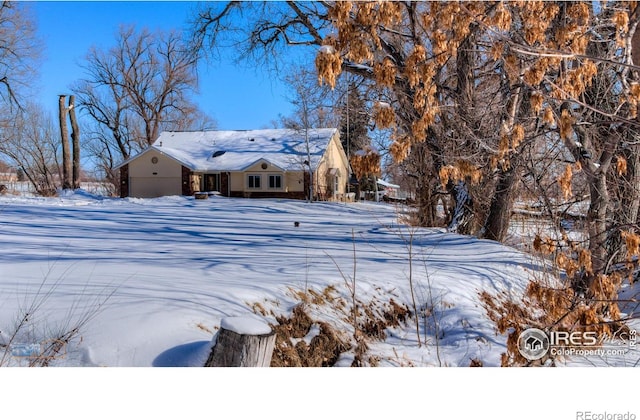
(238, 97)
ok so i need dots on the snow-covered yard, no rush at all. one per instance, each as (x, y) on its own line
(158, 275)
(166, 271)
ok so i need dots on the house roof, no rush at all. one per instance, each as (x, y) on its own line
(387, 184)
(238, 150)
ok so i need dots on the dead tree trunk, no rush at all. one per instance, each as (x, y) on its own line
(242, 342)
(75, 138)
(64, 136)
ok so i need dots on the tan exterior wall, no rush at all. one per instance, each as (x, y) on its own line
(332, 184)
(292, 182)
(263, 169)
(148, 179)
(236, 181)
(295, 181)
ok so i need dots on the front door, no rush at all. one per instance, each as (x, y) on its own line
(212, 182)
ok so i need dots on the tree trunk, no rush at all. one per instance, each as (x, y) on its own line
(239, 346)
(426, 161)
(496, 226)
(597, 219)
(75, 138)
(462, 215)
(64, 136)
(424, 202)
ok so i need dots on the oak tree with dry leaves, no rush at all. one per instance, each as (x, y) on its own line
(477, 95)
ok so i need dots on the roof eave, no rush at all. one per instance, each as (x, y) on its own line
(259, 160)
(157, 149)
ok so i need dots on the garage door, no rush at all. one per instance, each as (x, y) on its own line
(144, 187)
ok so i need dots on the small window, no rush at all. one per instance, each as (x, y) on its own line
(154, 160)
(254, 181)
(218, 153)
(275, 181)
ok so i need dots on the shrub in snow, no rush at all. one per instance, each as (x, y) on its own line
(302, 341)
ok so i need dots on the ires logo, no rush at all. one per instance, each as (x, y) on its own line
(534, 344)
(573, 339)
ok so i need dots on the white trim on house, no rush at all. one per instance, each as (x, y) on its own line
(146, 151)
(269, 164)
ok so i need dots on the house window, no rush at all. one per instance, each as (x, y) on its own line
(254, 181)
(275, 181)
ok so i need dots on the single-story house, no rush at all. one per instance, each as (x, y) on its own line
(281, 163)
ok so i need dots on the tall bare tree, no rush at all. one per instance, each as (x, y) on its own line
(135, 90)
(309, 111)
(67, 169)
(75, 141)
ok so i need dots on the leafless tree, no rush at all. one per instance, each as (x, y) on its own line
(307, 100)
(75, 142)
(135, 90)
(30, 143)
(67, 168)
(19, 50)
(70, 152)
(266, 28)
(313, 104)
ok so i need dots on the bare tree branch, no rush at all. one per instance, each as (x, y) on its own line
(137, 89)
(19, 50)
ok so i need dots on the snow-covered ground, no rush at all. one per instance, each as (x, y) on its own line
(157, 276)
